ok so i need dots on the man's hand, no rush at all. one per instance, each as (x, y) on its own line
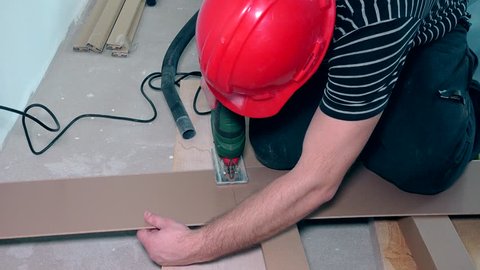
(170, 243)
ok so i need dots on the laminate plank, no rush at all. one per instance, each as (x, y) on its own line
(468, 229)
(394, 251)
(435, 243)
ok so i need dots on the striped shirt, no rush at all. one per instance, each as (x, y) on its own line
(371, 41)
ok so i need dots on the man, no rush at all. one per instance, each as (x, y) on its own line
(410, 120)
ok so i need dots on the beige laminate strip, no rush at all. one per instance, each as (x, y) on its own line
(435, 244)
(80, 43)
(116, 203)
(125, 50)
(392, 249)
(103, 27)
(468, 229)
(119, 37)
(285, 251)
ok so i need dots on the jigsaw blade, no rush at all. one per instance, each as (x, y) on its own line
(227, 172)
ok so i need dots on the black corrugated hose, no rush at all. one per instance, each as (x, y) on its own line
(169, 72)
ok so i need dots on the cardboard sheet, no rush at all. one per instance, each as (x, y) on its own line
(116, 203)
(435, 243)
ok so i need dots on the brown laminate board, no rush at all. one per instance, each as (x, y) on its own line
(59, 207)
(435, 244)
(364, 194)
(103, 27)
(285, 251)
(80, 43)
(116, 203)
(119, 36)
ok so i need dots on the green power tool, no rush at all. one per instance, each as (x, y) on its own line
(228, 129)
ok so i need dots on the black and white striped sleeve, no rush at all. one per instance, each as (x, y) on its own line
(364, 66)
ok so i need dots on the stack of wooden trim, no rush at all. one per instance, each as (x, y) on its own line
(111, 24)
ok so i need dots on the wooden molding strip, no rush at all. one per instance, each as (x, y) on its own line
(435, 244)
(125, 50)
(119, 36)
(103, 27)
(80, 43)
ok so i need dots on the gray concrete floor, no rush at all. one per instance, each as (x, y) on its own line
(79, 83)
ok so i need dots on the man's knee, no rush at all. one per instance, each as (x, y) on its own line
(275, 154)
(422, 167)
(426, 135)
(419, 178)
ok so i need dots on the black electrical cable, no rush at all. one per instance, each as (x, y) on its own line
(185, 75)
(195, 99)
(25, 113)
(36, 120)
(197, 93)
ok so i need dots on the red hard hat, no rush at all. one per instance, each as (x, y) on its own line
(254, 54)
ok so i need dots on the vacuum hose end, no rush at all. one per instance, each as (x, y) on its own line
(185, 127)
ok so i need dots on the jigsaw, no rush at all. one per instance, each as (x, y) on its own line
(228, 129)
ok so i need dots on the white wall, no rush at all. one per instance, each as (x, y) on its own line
(30, 33)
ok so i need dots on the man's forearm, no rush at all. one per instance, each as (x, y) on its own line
(312, 182)
(281, 204)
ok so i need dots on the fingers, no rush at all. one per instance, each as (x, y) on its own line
(156, 221)
(142, 236)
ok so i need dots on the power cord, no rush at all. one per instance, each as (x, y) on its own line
(177, 82)
(148, 79)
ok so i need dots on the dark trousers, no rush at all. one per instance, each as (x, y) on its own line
(425, 137)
